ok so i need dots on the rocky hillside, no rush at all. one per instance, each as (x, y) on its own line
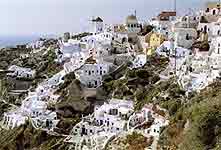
(195, 119)
(197, 123)
(26, 137)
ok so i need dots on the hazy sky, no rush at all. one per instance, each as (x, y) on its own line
(25, 17)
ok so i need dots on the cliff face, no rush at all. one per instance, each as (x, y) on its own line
(25, 137)
(196, 124)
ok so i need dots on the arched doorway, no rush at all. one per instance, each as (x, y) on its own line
(124, 39)
(214, 12)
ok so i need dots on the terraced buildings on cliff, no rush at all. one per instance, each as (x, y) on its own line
(85, 62)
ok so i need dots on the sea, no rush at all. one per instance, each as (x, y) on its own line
(12, 41)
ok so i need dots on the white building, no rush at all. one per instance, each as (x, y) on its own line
(156, 128)
(97, 25)
(33, 107)
(77, 60)
(109, 118)
(184, 37)
(56, 79)
(167, 49)
(212, 8)
(212, 28)
(105, 36)
(216, 46)
(101, 50)
(163, 22)
(152, 114)
(139, 61)
(68, 49)
(46, 121)
(21, 72)
(13, 120)
(120, 37)
(216, 28)
(205, 26)
(92, 41)
(187, 21)
(162, 27)
(90, 74)
(36, 45)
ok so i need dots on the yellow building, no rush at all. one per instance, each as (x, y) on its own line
(154, 40)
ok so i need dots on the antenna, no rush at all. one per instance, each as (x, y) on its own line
(175, 6)
(219, 6)
(135, 13)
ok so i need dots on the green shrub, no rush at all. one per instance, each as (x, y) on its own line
(143, 74)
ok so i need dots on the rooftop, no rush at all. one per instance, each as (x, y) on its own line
(164, 15)
(132, 17)
(98, 19)
(202, 46)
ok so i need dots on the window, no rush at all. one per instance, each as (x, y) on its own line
(218, 33)
(214, 12)
(205, 28)
(89, 84)
(187, 37)
(207, 10)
